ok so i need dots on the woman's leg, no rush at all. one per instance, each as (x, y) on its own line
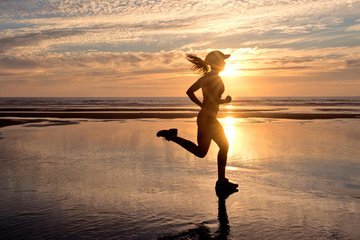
(220, 139)
(200, 150)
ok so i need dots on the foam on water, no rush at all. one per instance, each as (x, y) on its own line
(173, 101)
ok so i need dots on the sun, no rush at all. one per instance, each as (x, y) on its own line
(230, 70)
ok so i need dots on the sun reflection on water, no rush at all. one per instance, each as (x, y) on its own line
(230, 132)
(229, 128)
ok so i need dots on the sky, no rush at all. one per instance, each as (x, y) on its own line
(93, 48)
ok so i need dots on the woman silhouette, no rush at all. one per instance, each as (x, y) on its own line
(209, 128)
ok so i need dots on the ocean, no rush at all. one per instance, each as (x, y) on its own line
(274, 107)
(104, 102)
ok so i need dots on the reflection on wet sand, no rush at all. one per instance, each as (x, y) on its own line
(116, 180)
(204, 232)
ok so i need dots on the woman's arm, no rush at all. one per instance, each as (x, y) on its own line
(191, 92)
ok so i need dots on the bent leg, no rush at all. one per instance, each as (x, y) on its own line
(220, 139)
(199, 150)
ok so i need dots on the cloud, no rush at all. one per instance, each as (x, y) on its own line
(353, 28)
(103, 44)
(120, 66)
(158, 25)
(14, 63)
(276, 68)
(7, 43)
(353, 63)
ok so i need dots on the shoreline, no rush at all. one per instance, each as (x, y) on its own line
(173, 115)
(131, 109)
(6, 122)
(46, 118)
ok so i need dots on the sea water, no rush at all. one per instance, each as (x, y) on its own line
(333, 104)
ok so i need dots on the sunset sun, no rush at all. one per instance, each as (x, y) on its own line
(230, 70)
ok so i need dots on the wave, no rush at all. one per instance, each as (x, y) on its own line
(62, 102)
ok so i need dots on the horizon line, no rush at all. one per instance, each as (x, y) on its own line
(264, 96)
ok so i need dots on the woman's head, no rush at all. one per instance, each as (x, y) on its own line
(215, 60)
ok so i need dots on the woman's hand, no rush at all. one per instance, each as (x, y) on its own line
(228, 99)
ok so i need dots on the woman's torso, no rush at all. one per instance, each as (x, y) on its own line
(212, 89)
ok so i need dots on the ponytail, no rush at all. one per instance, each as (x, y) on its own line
(199, 65)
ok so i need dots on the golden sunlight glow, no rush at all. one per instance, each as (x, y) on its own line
(236, 137)
(229, 107)
(230, 132)
(229, 71)
(230, 129)
(232, 168)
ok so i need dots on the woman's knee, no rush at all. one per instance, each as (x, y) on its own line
(224, 146)
(202, 153)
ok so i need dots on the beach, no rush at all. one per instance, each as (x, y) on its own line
(180, 120)
(114, 179)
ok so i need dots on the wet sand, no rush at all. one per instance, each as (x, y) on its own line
(116, 180)
(4, 122)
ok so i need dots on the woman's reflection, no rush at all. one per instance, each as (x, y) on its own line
(202, 231)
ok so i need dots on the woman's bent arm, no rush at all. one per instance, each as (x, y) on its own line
(191, 92)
